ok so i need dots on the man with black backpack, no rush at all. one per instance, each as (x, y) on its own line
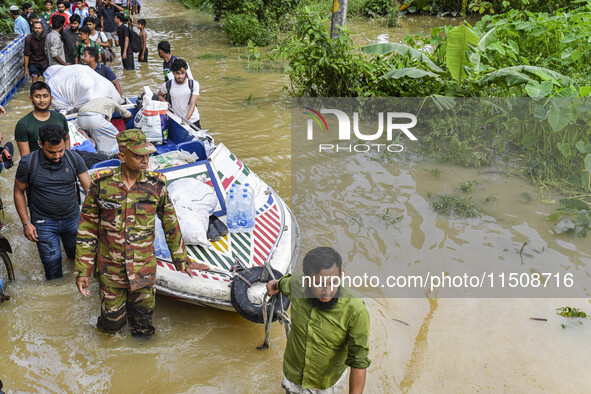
(124, 41)
(47, 180)
(181, 93)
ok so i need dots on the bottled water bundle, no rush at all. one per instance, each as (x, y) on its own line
(240, 208)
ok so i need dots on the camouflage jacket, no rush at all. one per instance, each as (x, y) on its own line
(116, 230)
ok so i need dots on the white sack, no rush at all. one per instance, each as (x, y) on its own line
(75, 85)
(194, 201)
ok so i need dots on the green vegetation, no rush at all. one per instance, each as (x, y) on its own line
(211, 56)
(578, 220)
(390, 219)
(571, 313)
(433, 171)
(463, 7)
(453, 204)
(526, 197)
(466, 187)
(242, 28)
(536, 55)
(6, 20)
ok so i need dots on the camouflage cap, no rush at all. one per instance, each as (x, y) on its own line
(135, 141)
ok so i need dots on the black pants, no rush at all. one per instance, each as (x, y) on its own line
(140, 54)
(128, 63)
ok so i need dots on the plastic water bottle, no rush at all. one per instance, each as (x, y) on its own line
(248, 190)
(247, 213)
(232, 213)
(252, 206)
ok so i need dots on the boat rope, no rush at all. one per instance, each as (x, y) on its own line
(237, 274)
(268, 317)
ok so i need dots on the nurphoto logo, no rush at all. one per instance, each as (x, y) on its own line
(390, 121)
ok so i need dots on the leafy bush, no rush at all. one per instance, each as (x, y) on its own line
(321, 66)
(240, 28)
(488, 6)
(6, 20)
(378, 8)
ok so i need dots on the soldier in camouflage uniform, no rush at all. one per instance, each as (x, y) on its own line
(116, 237)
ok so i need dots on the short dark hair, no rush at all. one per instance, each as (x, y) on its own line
(15, 12)
(92, 52)
(37, 21)
(92, 8)
(164, 46)
(31, 15)
(57, 21)
(61, 2)
(52, 133)
(85, 30)
(90, 19)
(48, 2)
(39, 85)
(178, 64)
(26, 6)
(321, 258)
(121, 16)
(75, 18)
(67, 4)
(142, 22)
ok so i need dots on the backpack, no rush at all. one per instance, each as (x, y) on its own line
(169, 85)
(32, 168)
(103, 70)
(135, 41)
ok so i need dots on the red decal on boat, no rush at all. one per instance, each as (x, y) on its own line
(261, 237)
(268, 225)
(258, 252)
(227, 182)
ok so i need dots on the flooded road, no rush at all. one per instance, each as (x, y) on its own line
(48, 342)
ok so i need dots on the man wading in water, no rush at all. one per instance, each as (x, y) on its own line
(329, 332)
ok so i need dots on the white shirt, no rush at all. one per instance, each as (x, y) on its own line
(98, 34)
(179, 97)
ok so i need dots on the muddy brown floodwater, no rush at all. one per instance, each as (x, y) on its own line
(48, 342)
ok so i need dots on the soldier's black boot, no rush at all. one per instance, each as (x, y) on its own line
(221, 228)
(212, 233)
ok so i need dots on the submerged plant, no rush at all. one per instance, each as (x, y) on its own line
(453, 204)
(578, 220)
(433, 171)
(571, 313)
(389, 219)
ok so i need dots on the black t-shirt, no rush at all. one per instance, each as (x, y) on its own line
(70, 39)
(52, 189)
(109, 15)
(122, 32)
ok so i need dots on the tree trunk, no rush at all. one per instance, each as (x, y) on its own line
(339, 17)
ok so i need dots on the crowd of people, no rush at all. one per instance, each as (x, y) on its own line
(60, 36)
(112, 236)
(79, 34)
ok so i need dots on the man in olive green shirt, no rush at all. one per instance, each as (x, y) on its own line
(330, 329)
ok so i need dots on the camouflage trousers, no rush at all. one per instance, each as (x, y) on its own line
(122, 305)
